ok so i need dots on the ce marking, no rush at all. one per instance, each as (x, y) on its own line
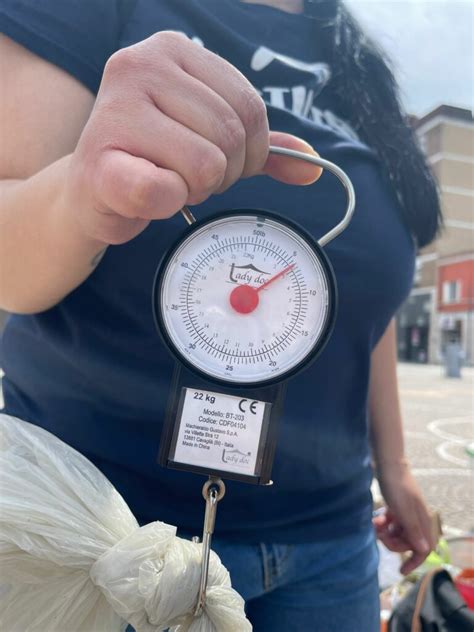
(252, 407)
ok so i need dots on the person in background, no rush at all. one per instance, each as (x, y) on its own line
(115, 114)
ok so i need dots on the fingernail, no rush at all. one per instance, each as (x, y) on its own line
(424, 546)
(311, 149)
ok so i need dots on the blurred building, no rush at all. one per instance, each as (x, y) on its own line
(440, 307)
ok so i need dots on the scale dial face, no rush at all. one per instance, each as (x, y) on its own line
(245, 298)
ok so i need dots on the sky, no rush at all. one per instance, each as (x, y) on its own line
(430, 43)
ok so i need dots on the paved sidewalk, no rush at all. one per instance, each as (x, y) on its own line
(439, 423)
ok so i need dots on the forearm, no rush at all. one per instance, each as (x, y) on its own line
(406, 524)
(384, 404)
(43, 253)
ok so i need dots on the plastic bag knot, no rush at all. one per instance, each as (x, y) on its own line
(151, 579)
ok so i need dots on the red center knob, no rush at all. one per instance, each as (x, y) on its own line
(244, 299)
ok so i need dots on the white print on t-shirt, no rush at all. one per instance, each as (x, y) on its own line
(299, 99)
(264, 56)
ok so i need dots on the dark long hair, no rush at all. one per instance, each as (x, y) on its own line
(365, 93)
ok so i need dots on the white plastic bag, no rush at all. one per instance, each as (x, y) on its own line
(73, 558)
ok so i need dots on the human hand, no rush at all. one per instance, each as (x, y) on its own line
(173, 123)
(406, 524)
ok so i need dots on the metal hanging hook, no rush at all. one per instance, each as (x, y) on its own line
(213, 491)
(188, 216)
(325, 164)
(340, 175)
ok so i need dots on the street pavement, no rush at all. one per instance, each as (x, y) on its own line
(439, 423)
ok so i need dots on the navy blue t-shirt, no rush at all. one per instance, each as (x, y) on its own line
(93, 370)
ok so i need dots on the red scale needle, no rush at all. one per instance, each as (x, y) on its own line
(244, 298)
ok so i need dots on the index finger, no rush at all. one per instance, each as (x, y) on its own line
(228, 82)
(412, 562)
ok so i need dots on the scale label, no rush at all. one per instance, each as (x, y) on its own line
(220, 432)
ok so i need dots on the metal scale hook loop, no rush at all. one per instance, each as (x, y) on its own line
(213, 491)
(325, 164)
(340, 175)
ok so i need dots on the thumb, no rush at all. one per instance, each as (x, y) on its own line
(414, 534)
(289, 170)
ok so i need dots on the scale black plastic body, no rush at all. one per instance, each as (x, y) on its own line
(273, 396)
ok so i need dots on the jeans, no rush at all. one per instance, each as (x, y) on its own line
(329, 586)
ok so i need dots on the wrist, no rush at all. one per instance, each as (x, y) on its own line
(390, 466)
(391, 461)
(71, 208)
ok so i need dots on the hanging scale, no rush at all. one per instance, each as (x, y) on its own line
(244, 300)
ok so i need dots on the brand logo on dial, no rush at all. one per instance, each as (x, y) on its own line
(248, 274)
(236, 457)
